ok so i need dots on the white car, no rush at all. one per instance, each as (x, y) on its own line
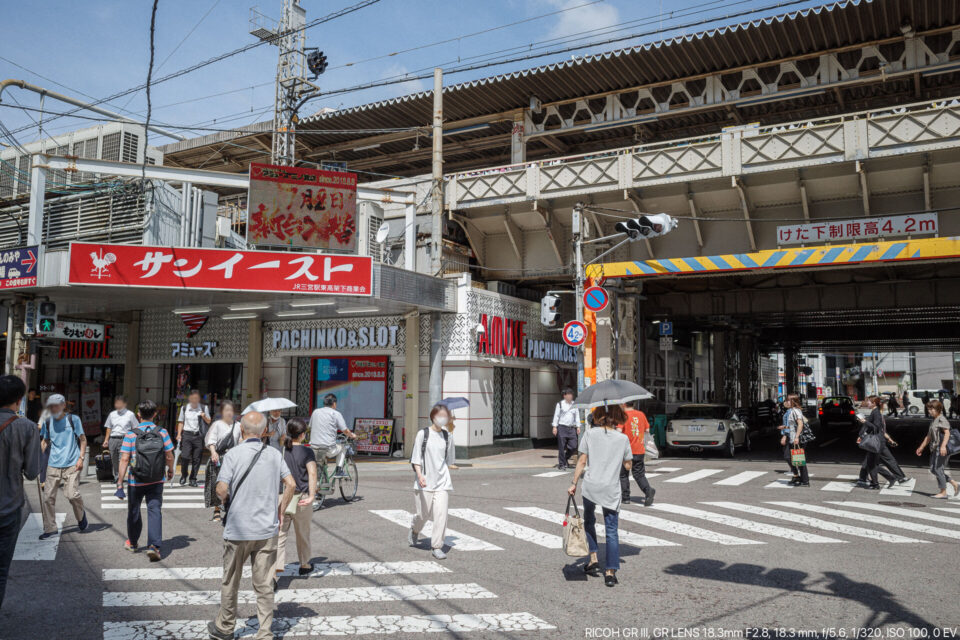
(701, 427)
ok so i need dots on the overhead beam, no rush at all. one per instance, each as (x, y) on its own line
(740, 186)
(927, 199)
(516, 237)
(475, 238)
(554, 233)
(864, 187)
(802, 186)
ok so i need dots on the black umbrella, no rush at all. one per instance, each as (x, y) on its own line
(610, 392)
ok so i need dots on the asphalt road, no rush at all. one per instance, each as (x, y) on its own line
(725, 549)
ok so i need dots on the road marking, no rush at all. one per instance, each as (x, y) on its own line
(626, 537)
(748, 525)
(327, 595)
(841, 487)
(454, 539)
(683, 529)
(781, 483)
(696, 475)
(904, 490)
(143, 505)
(652, 475)
(919, 528)
(30, 546)
(954, 510)
(167, 491)
(900, 511)
(112, 499)
(551, 474)
(667, 469)
(741, 478)
(313, 626)
(824, 525)
(548, 540)
(320, 570)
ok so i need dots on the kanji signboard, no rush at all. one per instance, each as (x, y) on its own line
(18, 267)
(302, 207)
(72, 330)
(219, 269)
(860, 229)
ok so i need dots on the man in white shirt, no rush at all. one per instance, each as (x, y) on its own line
(566, 426)
(119, 422)
(325, 423)
(190, 434)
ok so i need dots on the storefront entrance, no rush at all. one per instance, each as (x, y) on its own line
(216, 381)
(88, 388)
(511, 402)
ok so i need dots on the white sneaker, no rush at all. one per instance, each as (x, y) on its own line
(439, 554)
(411, 537)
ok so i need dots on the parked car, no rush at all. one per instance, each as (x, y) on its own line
(916, 399)
(701, 427)
(838, 410)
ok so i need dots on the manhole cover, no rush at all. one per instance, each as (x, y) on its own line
(891, 503)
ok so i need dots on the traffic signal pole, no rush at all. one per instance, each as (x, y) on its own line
(578, 281)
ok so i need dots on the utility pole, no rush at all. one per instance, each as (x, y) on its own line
(578, 280)
(436, 235)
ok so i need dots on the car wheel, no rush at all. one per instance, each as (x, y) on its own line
(914, 410)
(731, 447)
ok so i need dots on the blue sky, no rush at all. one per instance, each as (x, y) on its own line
(99, 47)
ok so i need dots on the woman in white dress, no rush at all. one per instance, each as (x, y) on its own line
(223, 435)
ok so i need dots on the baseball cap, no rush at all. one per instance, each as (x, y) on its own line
(56, 398)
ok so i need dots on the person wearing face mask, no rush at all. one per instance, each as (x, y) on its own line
(276, 430)
(433, 453)
(62, 435)
(224, 434)
(119, 422)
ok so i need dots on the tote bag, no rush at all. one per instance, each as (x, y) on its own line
(798, 457)
(871, 442)
(650, 445)
(574, 536)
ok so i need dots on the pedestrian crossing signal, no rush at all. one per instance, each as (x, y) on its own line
(46, 317)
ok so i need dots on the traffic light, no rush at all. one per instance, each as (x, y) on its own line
(649, 226)
(316, 62)
(549, 310)
(46, 317)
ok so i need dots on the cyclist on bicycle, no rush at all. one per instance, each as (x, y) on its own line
(325, 423)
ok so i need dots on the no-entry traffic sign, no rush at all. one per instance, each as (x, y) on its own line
(574, 333)
(595, 299)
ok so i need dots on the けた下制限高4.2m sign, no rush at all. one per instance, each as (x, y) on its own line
(859, 229)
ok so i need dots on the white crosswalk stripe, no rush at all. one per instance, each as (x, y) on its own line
(740, 478)
(317, 626)
(949, 510)
(327, 595)
(166, 505)
(320, 570)
(683, 529)
(548, 540)
(904, 490)
(900, 511)
(843, 484)
(864, 517)
(694, 475)
(626, 537)
(747, 525)
(551, 474)
(454, 539)
(167, 491)
(661, 469)
(823, 525)
(112, 499)
(781, 483)
(30, 546)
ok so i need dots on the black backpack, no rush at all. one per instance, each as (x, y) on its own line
(423, 446)
(151, 457)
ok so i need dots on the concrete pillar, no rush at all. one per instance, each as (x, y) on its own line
(411, 369)
(746, 370)
(131, 364)
(790, 370)
(254, 361)
(719, 367)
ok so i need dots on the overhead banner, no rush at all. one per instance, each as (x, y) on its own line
(859, 229)
(301, 207)
(219, 269)
(82, 331)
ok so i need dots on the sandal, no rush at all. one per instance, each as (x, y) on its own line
(305, 570)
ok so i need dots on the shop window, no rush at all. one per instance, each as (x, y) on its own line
(511, 402)
(215, 381)
(360, 383)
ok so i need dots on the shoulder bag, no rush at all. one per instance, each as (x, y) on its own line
(574, 535)
(871, 442)
(226, 503)
(806, 436)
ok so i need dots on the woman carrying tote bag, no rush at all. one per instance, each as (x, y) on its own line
(223, 435)
(938, 439)
(871, 441)
(603, 452)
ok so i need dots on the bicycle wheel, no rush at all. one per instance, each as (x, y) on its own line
(348, 486)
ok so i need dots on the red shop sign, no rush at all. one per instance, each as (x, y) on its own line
(219, 269)
(501, 337)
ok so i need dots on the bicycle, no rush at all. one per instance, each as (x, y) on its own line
(326, 484)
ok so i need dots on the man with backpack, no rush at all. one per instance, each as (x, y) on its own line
(147, 452)
(62, 434)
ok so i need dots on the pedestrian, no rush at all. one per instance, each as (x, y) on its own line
(433, 453)
(954, 406)
(325, 423)
(635, 428)
(871, 461)
(19, 459)
(191, 429)
(566, 427)
(34, 406)
(150, 449)
(926, 404)
(62, 435)
(603, 450)
(887, 459)
(276, 430)
(302, 463)
(120, 421)
(905, 402)
(794, 423)
(936, 439)
(893, 405)
(224, 434)
(249, 476)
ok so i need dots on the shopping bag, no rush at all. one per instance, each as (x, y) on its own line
(574, 535)
(650, 445)
(291, 509)
(953, 444)
(797, 457)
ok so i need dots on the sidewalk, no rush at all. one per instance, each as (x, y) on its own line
(523, 459)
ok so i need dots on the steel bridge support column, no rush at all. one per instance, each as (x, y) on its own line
(748, 371)
(790, 370)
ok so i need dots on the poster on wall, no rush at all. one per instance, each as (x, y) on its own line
(89, 408)
(374, 435)
(302, 207)
(360, 384)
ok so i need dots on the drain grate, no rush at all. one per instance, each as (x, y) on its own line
(892, 503)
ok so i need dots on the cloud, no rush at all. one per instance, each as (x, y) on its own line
(403, 88)
(576, 21)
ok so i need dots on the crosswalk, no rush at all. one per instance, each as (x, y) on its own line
(125, 599)
(175, 496)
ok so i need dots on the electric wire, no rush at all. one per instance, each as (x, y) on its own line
(146, 126)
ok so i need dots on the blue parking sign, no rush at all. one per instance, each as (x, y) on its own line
(666, 328)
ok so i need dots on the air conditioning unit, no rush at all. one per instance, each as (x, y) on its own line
(370, 217)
